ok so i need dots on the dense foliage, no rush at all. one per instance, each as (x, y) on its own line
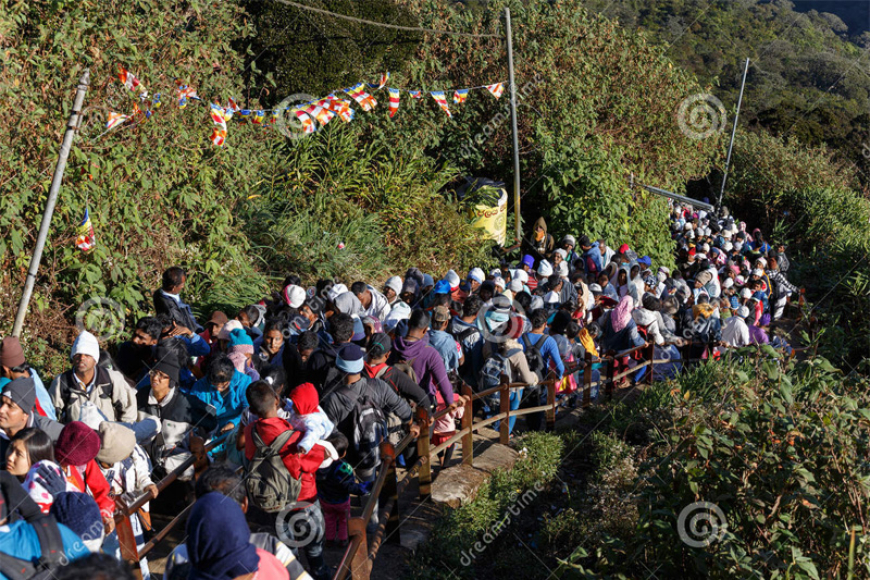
(160, 193)
(808, 76)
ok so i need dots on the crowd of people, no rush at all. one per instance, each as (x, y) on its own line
(281, 409)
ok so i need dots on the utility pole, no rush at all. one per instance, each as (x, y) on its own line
(516, 140)
(733, 134)
(66, 146)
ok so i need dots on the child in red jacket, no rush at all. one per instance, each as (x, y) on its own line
(305, 520)
(75, 450)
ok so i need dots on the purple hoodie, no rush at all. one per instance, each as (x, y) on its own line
(427, 363)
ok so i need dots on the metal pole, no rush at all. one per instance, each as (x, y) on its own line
(733, 134)
(513, 97)
(56, 180)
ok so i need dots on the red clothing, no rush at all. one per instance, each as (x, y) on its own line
(270, 567)
(300, 466)
(93, 483)
(532, 283)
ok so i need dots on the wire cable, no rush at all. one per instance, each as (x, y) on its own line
(382, 25)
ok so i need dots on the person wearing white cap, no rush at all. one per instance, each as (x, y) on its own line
(545, 270)
(88, 391)
(498, 281)
(735, 333)
(514, 288)
(294, 296)
(453, 278)
(475, 278)
(392, 289)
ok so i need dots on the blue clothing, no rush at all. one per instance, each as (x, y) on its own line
(472, 349)
(446, 347)
(42, 395)
(549, 351)
(196, 346)
(229, 404)
(735, 302)
(19, 539)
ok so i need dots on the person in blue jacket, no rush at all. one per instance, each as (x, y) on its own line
(223, 388)
(18, 537)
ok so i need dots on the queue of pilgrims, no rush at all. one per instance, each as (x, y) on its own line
(324, 375)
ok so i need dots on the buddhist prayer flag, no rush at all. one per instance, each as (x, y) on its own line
(459, 96)
(394, 101)
(365, 100)
(442, 101)
(339, 106)
(307, 123)
(131, 82)
(185, 93)
(416, 94)
(257, 117)
(322, 114)
(497, 89)
(85, 237)
(115, 120)
(218, 136)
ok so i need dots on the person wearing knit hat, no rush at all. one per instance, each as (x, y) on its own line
(348, 303)
(294, 296)
(128, 473)
(81, 514)
(453, 279)
(17, 399)
(224, 334)
(76, 450)
(14, 366)
(499, 283)
(240, 350)
(350, 359)
(427, 284)
(88, 390)
(545, 270)
(528, 263)
(515, 287)
(563, 269)
(442, 287)
(392, 289)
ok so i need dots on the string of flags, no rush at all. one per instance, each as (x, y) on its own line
(86, 239)
(311, 115)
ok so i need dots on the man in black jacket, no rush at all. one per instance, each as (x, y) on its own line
(167, 300)
(321, 369)
(177, 413)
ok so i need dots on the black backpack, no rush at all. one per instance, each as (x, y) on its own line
(534, 357)
(369, 429)
(51, 558)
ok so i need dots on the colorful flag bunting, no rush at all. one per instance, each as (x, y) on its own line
(497, 89)
(322, 114)
(131, 82)
(416, 94)
(339, 106)
(219, 116)
(257, 117)
(385, 78)
(218, 136)
(459, 96)
(394, 101)
(184, 93)
(307, 123)
(442, 101)
(85, 237)
(365, 100)
(115, 120)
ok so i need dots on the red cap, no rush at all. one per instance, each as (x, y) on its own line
(623, 248)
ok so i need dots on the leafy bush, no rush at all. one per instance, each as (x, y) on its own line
(778, 446)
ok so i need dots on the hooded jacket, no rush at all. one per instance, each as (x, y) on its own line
(229, 404)
(630, 286)
(427, 364)
(544, 246)
(307, 416)
(654, 324)
(302, 466)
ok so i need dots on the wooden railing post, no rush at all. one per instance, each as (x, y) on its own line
(359, 567)
(391, 492)
(425, 477)
(587, 381)
(611, 372)
(504, 408)
(651, 357)
(127, 541)
(467, 420)
(551, 401)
